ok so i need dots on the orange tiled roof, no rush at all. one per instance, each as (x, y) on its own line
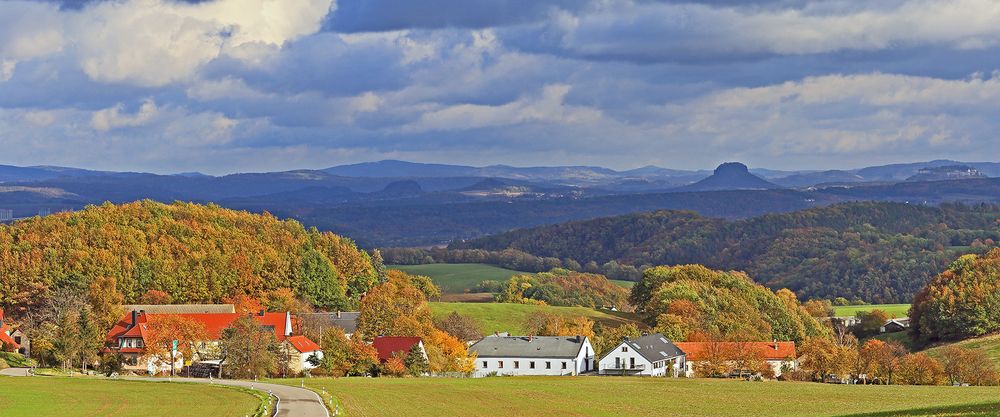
(386, 346)
(774, 351)
(214, 324)
(303, 344)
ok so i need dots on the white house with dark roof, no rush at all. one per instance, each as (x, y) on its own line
(533, 355)
(650, 355)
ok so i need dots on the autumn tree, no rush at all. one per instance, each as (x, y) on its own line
(156, 297)
(394, 366)
(284, 299)
(166, 328)
(462, 327)
(105, 301)
(969, 366)
(446, 353)
(881, 359)
(870, 322)
(920, 369)
(958, 303)
(250, 351)
(548, 324)
(608, 337)
(395, 308)
(822, 357)
(319, 283)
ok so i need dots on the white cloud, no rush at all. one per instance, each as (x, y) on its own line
(114, 117)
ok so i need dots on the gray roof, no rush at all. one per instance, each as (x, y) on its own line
(346, 320)
(182, 308)
(528, 346)
(653, 347)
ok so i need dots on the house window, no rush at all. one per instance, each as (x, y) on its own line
(548, 365)
(17, 339)
(531, 364)
(631, 362)
(485, 364)
(500, 364)
(564, 365)
(517, 364)
(624, 349)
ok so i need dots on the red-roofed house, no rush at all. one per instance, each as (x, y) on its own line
(387, 345)
(130, 334)
(300, 348)
(778, 355)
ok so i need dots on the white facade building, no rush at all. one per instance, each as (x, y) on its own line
(533, 355)
(651, 355)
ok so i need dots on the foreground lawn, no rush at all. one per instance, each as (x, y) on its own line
(615, 396)
(458, 278)
(501, 317)
(894, 310)
(70, 397)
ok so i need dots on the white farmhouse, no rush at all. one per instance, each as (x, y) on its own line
(533, 355)
(650, 355)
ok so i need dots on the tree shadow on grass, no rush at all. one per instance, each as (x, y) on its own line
(982, 409)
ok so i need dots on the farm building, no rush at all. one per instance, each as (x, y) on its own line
(533, 355)
(386, 346)
(299, 349)
(895, 325)
(12, 339)
(130, 335)
(650, 355)
(777, 355)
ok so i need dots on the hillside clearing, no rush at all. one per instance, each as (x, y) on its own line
(458, 278)
(894, 310)
(613, 396)
(71, 397)
(499, 317)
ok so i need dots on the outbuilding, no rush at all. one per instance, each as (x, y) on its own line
(650, 355)
(533, 355)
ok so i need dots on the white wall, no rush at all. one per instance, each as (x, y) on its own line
(583, 362)
(627, 356)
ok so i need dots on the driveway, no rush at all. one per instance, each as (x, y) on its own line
(292, 401)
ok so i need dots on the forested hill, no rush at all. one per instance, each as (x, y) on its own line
(194, 253)
(879, 252)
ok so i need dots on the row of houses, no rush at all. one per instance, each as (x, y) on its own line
(497, 354)
(649, 355)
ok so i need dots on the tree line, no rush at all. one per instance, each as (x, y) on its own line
(875, 251)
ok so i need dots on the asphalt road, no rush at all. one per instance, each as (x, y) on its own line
(292, 401)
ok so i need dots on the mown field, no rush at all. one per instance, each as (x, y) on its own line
(70, 397)
(615, 396)
(623, 283)
(499, 317)
(458, 278)
(894, 310)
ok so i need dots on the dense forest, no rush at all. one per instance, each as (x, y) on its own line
(691, 302)
(183, 252)
(878, 252)
(961, 302)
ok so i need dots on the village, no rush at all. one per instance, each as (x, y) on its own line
(131, 343)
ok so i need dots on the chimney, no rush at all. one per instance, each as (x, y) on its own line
(775, 344)
(579, 338)
(288, 323)
(135, 319)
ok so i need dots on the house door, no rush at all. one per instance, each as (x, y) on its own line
(631, 363)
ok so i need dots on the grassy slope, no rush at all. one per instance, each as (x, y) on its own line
(990, 344)
(457, 278)
(897, 310)
(496, 317)
(613, 396)
(69, 397)
(623, 283)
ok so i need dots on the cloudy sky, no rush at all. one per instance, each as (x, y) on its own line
(255, 85)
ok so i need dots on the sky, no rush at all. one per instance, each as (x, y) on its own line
(221, 86)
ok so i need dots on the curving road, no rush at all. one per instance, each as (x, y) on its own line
(292, 401)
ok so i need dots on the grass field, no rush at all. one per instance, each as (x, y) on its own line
(70, 397)
(894, 310)
(623, 283)
(497, 317)
(458, 278)
(615, 396)
(989, 344)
